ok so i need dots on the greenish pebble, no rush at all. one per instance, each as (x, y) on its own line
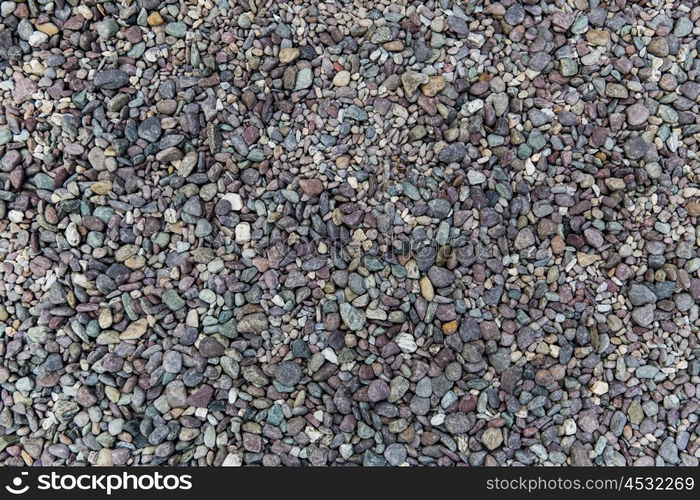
(398, 270)
(244, 21)
(137, 50)
(173, 300)
(8, 440)
(508, 417)
(128, 309)
(522, 317)
(537, 140)
(580, 25)
(43, 181)
(230, 366)
(504, 191)
(364, 431)
(207, 296)
(524, 151)
(282, 387)
(176, 29)
(494, 140)
(202, 228)
(93, 328)
(356, 113)
(142, 18)
(662, 227)
(103, 213)
(668, 114)
(95, 239)
(443, 233)
(304, 79)
(275, 415)
(80, 98)
(37, 334)
(346, 355)
(228, 329)
(373, 263)
(683, 27)
(117, 102)
(291, 196)
(5, 136)
(256, 155)
(477, 383)
(161, 239)
(79, 330)
(392, 191)
(411, 191)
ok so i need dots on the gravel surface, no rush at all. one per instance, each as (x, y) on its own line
(370, 232)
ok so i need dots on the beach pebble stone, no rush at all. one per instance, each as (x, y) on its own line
(643, 316)
(288, 373)
(635, 148)
(349, 233)
(637, 114)
(515, 14)
(353, 317)
(458, 423)
(395, 454)
(378, 390)
(492, 438)
(454, 153)
(640, 295)
(111, 79)
(150, 129)
(341, 79)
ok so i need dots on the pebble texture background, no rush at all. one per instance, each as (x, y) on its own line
(336, 232)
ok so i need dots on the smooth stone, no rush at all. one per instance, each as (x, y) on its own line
(353, 317)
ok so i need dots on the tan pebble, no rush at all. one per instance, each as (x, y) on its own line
(104, 458)
(154, 19)
(492, 438)
(101, 187)
(435, 85)
(341, 79)
(112, 393)
(693, 208)
(394, 46)
(411, 80)
(84, 11)
(426, 289)
(599, 387)
(135, 262)
(450, 327)
(105, 318)
(614, 183)
(135, 330)
(558, 245)
(288, 55)
(49, 29)
(598, 37)
(586, 259)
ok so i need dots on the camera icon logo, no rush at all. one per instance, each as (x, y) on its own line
(17, 488)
